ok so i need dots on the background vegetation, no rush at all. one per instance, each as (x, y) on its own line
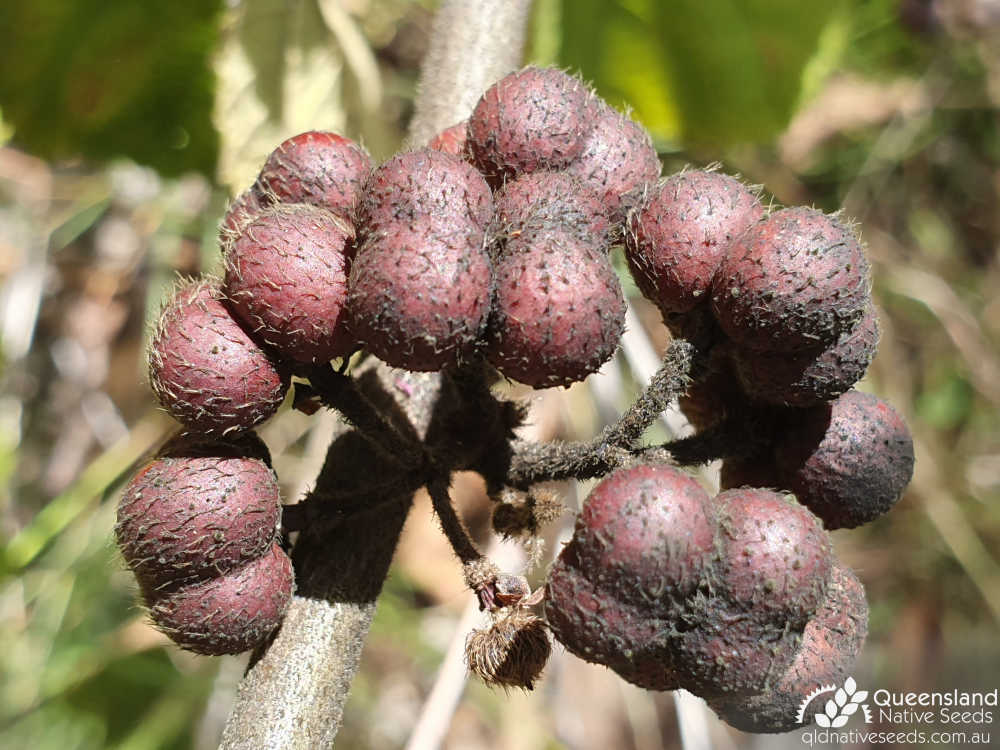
(124, 128)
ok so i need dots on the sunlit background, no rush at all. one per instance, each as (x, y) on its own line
(125, 127)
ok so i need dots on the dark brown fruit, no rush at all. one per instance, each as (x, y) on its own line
(534, 119)
(776, 558)
(811, 377)
(185, 518)
(418, 188)
(539, 201)
(205, 370)
(559, 310)
(324, 169)
(797, 280)
(618, 160)
(683, 229)
(419, 298)
(286, 279)
(229, 614)
(717, 394)
(451, 140)
(722, 649)
(848, 461)
(830, 644)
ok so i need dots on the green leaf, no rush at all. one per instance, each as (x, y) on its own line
(708, 72)
(112, 78)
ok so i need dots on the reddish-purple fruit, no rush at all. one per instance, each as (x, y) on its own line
(197, 513)
(811, 377)
(776, 558)
(797, 280)
(682, 231)
(559, 311)
(618, 159)
(536, 118)
(830, 644)
(324, 169)
(536, 202)
(644, 541)
(419, 297)
(848, 461)
(286, 279)
(647, 532)
(229, 614)
(204, 368)
(451, 140)
(417, 188)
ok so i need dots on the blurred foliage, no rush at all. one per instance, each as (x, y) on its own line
(103, 79)
(706, 72)
(833, 105)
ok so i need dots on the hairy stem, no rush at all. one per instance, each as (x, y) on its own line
(451, 524)
(529, 463)
(675, 374)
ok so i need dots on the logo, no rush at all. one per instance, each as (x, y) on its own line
(842, 706)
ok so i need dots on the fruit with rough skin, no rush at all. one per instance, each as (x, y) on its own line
(228, 614)
(617, 161)
(831, 642)
(723, 648)
(286, 279)
(649, 530)
(204, 368)
(536, 202)
(848, 461)
(811, 377)
(198, 512)
(797, 280)
(418, 188)
(419, 298)
(316, 167)
(532, 119)
(677, 238)
(776, 557)
(559, 311)
(451, 140)
(593, 623)
(644, 541)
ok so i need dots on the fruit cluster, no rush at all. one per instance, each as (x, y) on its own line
(491, 245)
(734, 598)
(198, 528)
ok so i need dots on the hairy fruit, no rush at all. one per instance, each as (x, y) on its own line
(204, 368)
(286, 278)
(797, 280)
